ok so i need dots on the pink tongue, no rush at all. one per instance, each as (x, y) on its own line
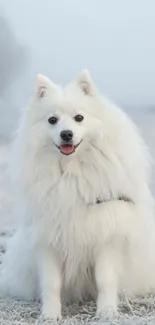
(67, 149)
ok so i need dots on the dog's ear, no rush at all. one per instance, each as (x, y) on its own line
(43, 84)
(85, 82)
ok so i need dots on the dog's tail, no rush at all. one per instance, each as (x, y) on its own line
(18, 274)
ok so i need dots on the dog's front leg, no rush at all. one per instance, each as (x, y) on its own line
(50, 283)
(106, 273)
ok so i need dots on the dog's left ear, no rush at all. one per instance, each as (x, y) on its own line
(86, 84)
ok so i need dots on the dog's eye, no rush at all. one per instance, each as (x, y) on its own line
(78, 118)
(53, 120)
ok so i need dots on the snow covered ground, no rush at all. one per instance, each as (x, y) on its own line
(139, 311)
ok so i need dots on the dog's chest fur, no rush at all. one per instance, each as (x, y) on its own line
(64, 197)
(63, 200)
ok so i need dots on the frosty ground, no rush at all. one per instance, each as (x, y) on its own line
(138, 311)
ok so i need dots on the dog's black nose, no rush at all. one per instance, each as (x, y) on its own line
(66, 135)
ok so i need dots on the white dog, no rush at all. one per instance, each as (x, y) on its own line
(87, 228)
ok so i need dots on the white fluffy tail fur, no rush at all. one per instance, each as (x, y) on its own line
(18, 276)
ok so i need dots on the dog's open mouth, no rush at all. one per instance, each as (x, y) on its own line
(68, 148)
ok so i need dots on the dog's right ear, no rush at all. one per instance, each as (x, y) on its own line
(43, 85)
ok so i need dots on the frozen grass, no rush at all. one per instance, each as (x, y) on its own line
(138, 312)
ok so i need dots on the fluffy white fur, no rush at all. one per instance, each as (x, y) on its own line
(67, 246)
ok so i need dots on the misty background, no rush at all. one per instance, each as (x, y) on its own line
(115, 40)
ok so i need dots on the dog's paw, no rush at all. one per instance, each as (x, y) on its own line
(50, 314)
(107, 311)
(48, 319)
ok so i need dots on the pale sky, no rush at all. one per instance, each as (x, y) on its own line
(114, 39)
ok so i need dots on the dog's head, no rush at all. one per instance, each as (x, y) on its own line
(66, 118)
